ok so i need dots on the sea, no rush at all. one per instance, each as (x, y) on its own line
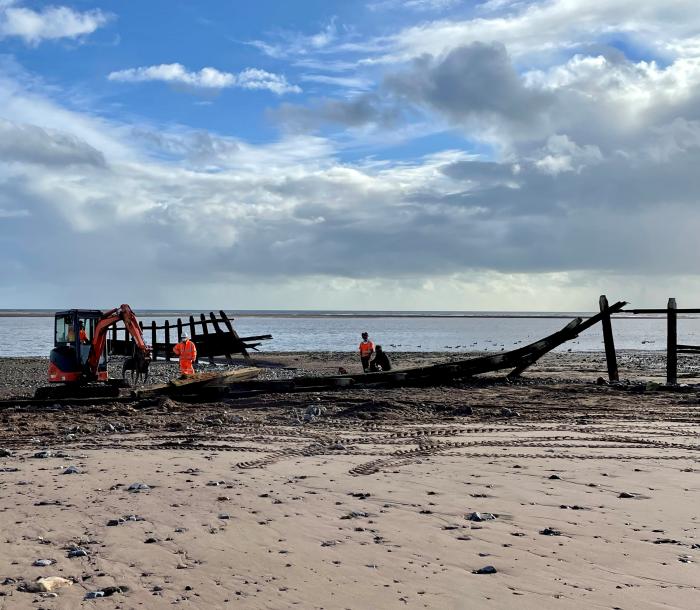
(28, 333)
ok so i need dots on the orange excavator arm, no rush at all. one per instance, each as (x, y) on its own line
(124, 314)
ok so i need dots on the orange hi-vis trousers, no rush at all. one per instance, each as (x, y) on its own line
(187, 352)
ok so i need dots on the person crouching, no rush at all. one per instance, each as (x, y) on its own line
(380, 362)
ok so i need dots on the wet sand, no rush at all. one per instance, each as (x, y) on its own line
(363, 500)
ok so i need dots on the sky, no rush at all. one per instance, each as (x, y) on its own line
(349, 154)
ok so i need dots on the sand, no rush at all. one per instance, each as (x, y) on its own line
(365, 505)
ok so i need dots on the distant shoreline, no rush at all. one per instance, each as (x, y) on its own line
(153, 313)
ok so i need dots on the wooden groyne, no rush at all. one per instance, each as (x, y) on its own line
(219, 340)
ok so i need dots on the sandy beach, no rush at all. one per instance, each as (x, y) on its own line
(576, 494)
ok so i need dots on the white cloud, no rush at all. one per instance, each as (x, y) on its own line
(207, 78)
(348, 82)
(548, 27)
(49, 23)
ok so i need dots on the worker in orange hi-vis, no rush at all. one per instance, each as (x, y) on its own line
(187, 352)
(83, 335)
(366, 351)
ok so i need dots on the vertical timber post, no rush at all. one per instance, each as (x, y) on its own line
(179, 330)
(192, 334)
(671, 343)
(154, 338)
(241, 346)
(167, 341)
(219, 334)
(610, 355)
(205, 330)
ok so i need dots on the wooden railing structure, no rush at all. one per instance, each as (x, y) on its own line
(672, 346)
(221, 340)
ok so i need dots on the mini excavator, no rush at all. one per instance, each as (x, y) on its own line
(78, 361)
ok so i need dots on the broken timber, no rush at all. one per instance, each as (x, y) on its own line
(517, 360)
(210, 343)
(196, 383)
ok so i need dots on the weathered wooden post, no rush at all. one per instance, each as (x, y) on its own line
(232, 330)
(671, 343)
(610, 355)
(154, 337)
(205, 331)
(179, 330)
(219, 333)
(193, 333)
(167, 341)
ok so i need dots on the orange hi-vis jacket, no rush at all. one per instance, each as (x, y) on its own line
(187, 352)
(83, 336)
(366, 349)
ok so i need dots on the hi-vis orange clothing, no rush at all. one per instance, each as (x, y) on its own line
(187, 352)
(83, 336)
(366, 349)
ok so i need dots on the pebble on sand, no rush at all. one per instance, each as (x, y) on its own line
(137, 487)
(480, 517)
(485, 570)
(548, 531)
(48, 584)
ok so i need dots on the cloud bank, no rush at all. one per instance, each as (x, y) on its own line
(571, 168)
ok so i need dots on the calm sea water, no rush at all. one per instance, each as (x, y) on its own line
(299, 331)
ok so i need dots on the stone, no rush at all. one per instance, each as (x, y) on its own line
(77, 552)
(138, 487)
(43, 563)
(43, 454)
(548, 531)
(478, 517)
(464, 411)
(5, 453)
(94, 594)
(554, 477)
(355, 514)
(485, 570)
(48, 584)
(625, 494)
(71, 470)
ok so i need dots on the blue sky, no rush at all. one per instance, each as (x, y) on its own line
(414, 154)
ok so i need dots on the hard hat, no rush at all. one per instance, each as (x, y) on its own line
(185, 336)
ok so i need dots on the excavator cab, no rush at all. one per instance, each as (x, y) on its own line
(74, 331)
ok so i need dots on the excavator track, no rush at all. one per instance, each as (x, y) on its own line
(63, 392)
